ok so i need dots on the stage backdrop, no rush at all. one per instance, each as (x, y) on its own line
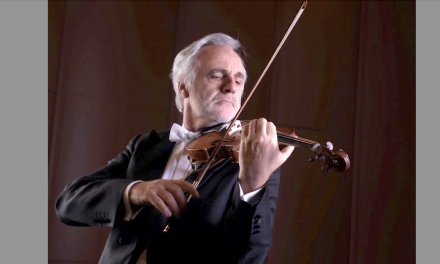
(346, 75)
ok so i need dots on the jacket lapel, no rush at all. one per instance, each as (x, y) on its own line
(151, 157)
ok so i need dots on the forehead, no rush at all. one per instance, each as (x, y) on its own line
(220, 56)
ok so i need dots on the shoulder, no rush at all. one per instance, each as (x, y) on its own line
(142, 139)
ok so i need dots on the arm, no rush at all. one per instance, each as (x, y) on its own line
(96, 199)
(251, 225)
(248, 227)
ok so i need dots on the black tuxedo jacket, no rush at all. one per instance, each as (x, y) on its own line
(216, 228)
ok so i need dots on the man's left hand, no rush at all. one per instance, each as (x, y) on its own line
(260, 155)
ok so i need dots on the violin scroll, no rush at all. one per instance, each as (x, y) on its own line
(338, 160)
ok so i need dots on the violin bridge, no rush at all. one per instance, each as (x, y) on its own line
(235, 127)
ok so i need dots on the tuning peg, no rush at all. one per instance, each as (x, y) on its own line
(329, 145)
(315, 157)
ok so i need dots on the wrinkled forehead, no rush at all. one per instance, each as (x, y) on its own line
(215, 56)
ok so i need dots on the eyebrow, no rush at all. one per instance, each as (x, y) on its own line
(225, 72)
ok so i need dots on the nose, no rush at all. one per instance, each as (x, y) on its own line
(229, 86)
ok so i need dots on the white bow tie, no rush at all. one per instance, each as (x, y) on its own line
(181, 134)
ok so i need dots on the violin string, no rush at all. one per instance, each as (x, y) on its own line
(298, 140)
(295, 143)
(289, 142)
(298, 144)
(288, 139)
(293, 140)
(281, 134)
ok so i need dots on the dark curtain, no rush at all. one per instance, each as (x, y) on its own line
(346, 75)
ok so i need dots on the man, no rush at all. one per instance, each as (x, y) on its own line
(230, 220)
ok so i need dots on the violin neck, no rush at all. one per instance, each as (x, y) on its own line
(284, 139)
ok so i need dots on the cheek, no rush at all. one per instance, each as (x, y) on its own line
(202, 98)
(239, 95)
(208, 93)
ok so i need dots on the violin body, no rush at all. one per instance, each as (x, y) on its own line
(200, 149)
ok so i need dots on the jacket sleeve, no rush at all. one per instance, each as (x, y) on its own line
(249, 227)
(96, 199)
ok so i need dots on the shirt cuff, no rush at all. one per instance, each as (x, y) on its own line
(129, 215)
(251, 197)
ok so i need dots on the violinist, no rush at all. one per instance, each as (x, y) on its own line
(231, 216)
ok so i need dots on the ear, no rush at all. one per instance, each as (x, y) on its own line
(183, 90)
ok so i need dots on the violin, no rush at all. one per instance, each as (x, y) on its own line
(200, 149)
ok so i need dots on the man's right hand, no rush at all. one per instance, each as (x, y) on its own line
(166, 195)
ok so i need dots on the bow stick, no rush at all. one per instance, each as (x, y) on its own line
(216, 149)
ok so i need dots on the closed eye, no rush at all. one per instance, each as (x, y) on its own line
(216, 77)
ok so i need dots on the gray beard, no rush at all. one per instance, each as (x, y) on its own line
(212, 114)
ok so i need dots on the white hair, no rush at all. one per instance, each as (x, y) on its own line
(185, 65)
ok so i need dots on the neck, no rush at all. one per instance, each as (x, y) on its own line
(197, 123)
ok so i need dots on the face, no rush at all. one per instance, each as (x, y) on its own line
(216, 93)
